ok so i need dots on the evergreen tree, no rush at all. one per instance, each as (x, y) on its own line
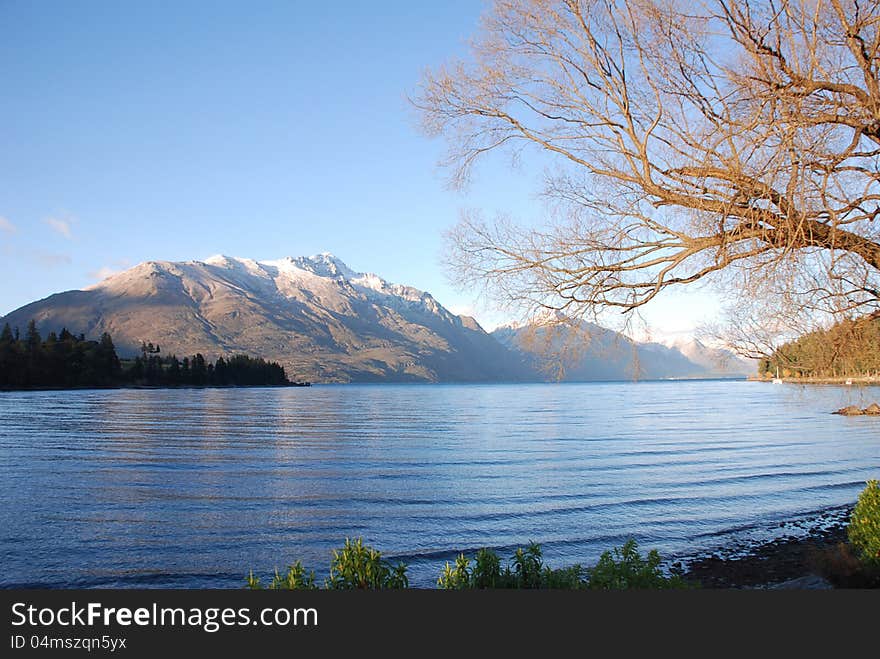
(66, 360)
(199, 370)
(221, 376)
(137, 371)
(109, 360)
(32, 338)
(173, 373)
(8, 363)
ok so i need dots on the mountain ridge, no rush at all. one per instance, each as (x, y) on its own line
(570, 350)
(319, 318)
(315, 315)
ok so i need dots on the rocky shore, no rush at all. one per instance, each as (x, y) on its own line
(789, 561)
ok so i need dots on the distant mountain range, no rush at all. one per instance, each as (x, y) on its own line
(325, 322)
(581, 351)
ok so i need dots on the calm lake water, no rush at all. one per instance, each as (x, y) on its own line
(192, 488)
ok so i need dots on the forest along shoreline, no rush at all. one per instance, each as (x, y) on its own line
(67, 361)
(115, 387)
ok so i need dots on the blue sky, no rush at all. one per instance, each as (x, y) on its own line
(173, 131)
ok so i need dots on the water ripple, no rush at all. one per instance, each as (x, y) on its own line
(192, 488)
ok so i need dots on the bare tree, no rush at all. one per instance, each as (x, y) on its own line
(731, 140)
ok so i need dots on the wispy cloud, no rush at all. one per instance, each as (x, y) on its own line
(6, 226)
(109, 270)
(62, 226)
(51, 259)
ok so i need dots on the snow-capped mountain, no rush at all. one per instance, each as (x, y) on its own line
(717, 362)
(325, 322)
(581, 351)
(319, 318)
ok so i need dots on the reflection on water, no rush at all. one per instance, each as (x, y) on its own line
(192, 488)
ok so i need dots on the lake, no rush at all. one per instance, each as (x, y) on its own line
(193, 488)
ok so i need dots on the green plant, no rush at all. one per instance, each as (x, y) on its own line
(458, 576)
(528, 566)
(525, 570)
(567, 578)
(296, 578)
(864, 524)
(253, 582)
(623, 568)
(485, 573)
(487, 570)
(357, 566)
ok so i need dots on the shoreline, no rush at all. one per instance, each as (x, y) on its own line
(785, 562)
(841, 381)
(115, 387)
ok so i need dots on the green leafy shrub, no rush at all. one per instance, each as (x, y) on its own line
(864, 524)
(458, 576)
(525, 570)
(357, 566)
(485, 573)
(528, 566)
(566, 578)
(296, 578)
(620, 568)
(624, 568)
(487, 570)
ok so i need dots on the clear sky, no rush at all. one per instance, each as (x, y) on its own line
(133, 131)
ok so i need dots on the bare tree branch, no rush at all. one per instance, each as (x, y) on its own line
(723, 139)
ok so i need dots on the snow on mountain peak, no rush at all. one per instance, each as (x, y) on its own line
(222, 260)
(323, 265)
(327, 265)
(321, 273)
